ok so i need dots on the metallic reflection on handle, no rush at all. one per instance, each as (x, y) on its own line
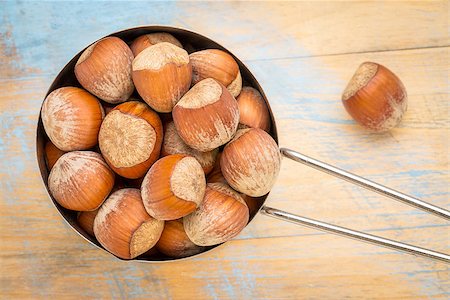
(365, 183)
(365, 237)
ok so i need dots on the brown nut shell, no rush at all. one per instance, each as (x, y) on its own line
(220, 217)
(147, 40)
(72, 118)
(173, 187)
(174, 241)
(123, 226)
(162, 74)
(52, 154)
(80, 180)
(253, 203)
(86, 220)
(104, 69)
(251, 161)
(173, 144)
(375, 97)
(207, 116)
(253, 110)
(216, 174)
(130, 139)
(217, 64)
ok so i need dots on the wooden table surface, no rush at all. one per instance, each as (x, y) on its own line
(303, 54)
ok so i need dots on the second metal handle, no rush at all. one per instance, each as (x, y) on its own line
(370, 185)
(353, 234)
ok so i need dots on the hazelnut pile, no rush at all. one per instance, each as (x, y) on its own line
(178, 160)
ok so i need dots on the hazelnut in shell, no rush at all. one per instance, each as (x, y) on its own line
(253, 110)
(173, 187)
(144, 41)
(52, 154)
(174, 241)
(207, 116)
(375, 97)
(217, 64)
(72, 118)
(162, 74)
(123, 226)
(86, 220)
(251, 161)
(104, 69)
(220, 217)
(130, 138)
(80, 180)
(216, 174)
(173, 144)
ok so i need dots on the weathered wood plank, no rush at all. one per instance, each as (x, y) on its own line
(316, 267)
(48, 253)
(304, 28)
(294, 50)
(40, 37)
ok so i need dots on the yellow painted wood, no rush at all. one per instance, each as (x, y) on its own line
(303, 54)
(277, 29)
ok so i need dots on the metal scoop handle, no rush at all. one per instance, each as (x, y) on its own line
(370, 185)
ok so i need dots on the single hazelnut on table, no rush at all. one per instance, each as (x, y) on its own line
(104, 69)
(220, 217)
(162, 74)
(123, 226)
(86, 220)
(72, 118)
(173, 187)
(52, 154)
(130, 138)
(251, 161)
(173, 144)
(253, 110)
(217, 64)
(144, 41)
(80, 180)
(174, 241)
(207, 116)
(375, 97)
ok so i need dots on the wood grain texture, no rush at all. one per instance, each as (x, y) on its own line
(303, 54)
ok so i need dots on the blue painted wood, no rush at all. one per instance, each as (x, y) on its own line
(284, 45)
